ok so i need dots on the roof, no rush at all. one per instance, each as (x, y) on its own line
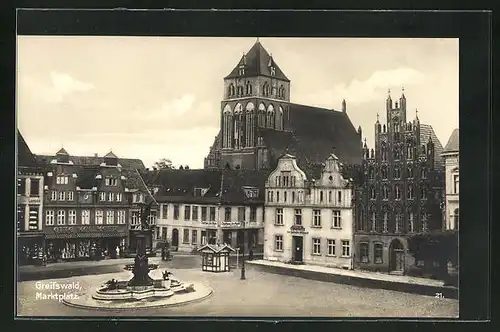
(24, 155)
(315, 134)
(257, 63)
(110, 154)
(223, 186)
(62, 152)
(453, 144)
(95, 161)
(216, 248)
(426, 132)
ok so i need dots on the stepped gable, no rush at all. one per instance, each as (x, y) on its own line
(178, 185)
(256, 63)
(96, 161)
(235, 181)
(426, 132)
(453, 144)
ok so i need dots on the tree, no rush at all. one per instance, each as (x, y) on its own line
(163, 163)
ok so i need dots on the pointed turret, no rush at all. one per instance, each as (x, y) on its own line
(388, 101)
(402, 99)
(344, 106)
(378, 127)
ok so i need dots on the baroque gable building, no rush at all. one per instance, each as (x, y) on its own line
(401, 190)
(259, 124)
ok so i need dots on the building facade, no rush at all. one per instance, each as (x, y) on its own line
(200, 207)
(401, 190)
(451, 158)
(309, 220)
(91, 210)
(30, 236)
(259, 123)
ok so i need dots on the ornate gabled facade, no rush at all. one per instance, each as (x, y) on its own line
(309, 220)
(259, 123)
(90, 210)
(451, 156)
(209, 206)
(401, 190)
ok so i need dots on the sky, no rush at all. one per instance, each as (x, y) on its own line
(160, 97)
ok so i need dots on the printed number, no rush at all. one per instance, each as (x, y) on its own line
(439, 296)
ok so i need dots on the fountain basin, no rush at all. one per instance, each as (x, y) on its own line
(132, 294)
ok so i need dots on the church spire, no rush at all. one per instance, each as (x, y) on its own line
(388, 101)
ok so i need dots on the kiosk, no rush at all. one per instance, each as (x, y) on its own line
(215, 258)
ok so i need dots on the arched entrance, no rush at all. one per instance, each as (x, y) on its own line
(175, 237)
(396, 256)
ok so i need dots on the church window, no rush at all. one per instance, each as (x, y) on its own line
(423, 173)
(399, 222)
(396, 173)
(396, 127)
(410, 192)
(384, 153)
(410, 172)
(373, 193)
(386, 222)
(371, 173)
(373, 221)
(423, 193)
(397, 192)
(384, 172)
(272, 70)
(240, 91)
(409, 152)
(410, 222)
(396, 153)
(231, 90)
(424, 221)
(385, 192)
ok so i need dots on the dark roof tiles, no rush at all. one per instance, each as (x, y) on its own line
(24, 155)
(95, 161)
(453, 144)
(426, 133)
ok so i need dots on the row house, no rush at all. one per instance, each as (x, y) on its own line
(92, 210)
(29, 199)
(451, 158)
(200, 207)
(308, 220)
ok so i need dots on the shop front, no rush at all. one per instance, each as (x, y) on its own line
(30, 248)
(66, 243)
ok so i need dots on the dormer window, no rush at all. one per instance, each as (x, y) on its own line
(111, 182)
(251, 192)
(272, 70)
(197, 191)
(62, 179)
(241, 71)
(138, 198)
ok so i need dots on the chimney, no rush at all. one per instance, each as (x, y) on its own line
(95, 155)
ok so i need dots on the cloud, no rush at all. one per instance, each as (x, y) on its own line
(357, 91)
(178, 106)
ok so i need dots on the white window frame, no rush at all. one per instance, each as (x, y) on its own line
(297, 216)
(118, 197)
(53, 195)
(331, 247)
(336, 219)
(72, 217)
(346, 244)
(49, 217)
(316, 218)
(110, 217)
(62, 179)
(102, 196)
(316, 246)
(99, 216)
(278, 243)
(61, 217)
(111, 197)
(120, 217)
(85, 217)
(62, 196)
(456, 183)
(279, 216)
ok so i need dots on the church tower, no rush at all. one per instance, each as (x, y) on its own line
(256, 99)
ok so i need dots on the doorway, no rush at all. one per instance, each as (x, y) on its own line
(175, 237)
(298, 249)
(396, 256)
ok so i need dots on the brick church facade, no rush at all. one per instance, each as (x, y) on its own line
(259, 124)
(401, 191)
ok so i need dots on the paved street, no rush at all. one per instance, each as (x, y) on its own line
(261, 294)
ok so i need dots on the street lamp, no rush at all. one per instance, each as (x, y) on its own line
(242, 264)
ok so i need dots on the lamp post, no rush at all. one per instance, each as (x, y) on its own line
(243, 265)
(237, 256)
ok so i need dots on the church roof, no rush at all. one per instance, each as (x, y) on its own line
(24, 155)
(453, 142)
(314, 134)
(257, 62)
(426, 132)
(89, 161)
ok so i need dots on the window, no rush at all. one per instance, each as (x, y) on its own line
(278, 242)
(409, 152)
(176, 212)
(111, 182)
(384, 153)
(293, 196)
(212, 213)
(456, 215)
(397, 192)
(204, 213)
(423, 173)
(53, 195)
(336, 219)
(277, 196)
(399, 222)
(35, 187)
(331, 247)
(424, 221)
(120, 217)
(339, 198)
(253, 214)
(371, 173)
(151, 219)
(62, 179)
(85, 217)
(227, 214)
(423, 193)
(397, 173)
(135, 218)
(374, 220)
(385, 192)
(49, 218)
(298, 217)
(396, 153)
(241, 213)
(194, 236)
(185, 237)
(383, 172)
(71, 217)
(346, 248)
(377, 253)
(70, 196)
(409, 170)
(316, 218)
(455, 184)
(118, 197)
(61, 217)
(363, 252)
(187, 212)
(164, 209)
(111, 197)
(195, 213)
(410, 222)
(316, 246)
(409, 193)
(21, 187)
(110, 217)
(373, 193)
(99, 217)
(102, 196)
(321, 196)
(386, 220)
(62, 195)
(279, 216)
(270, 196)
(272, 70)
(285, 196)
